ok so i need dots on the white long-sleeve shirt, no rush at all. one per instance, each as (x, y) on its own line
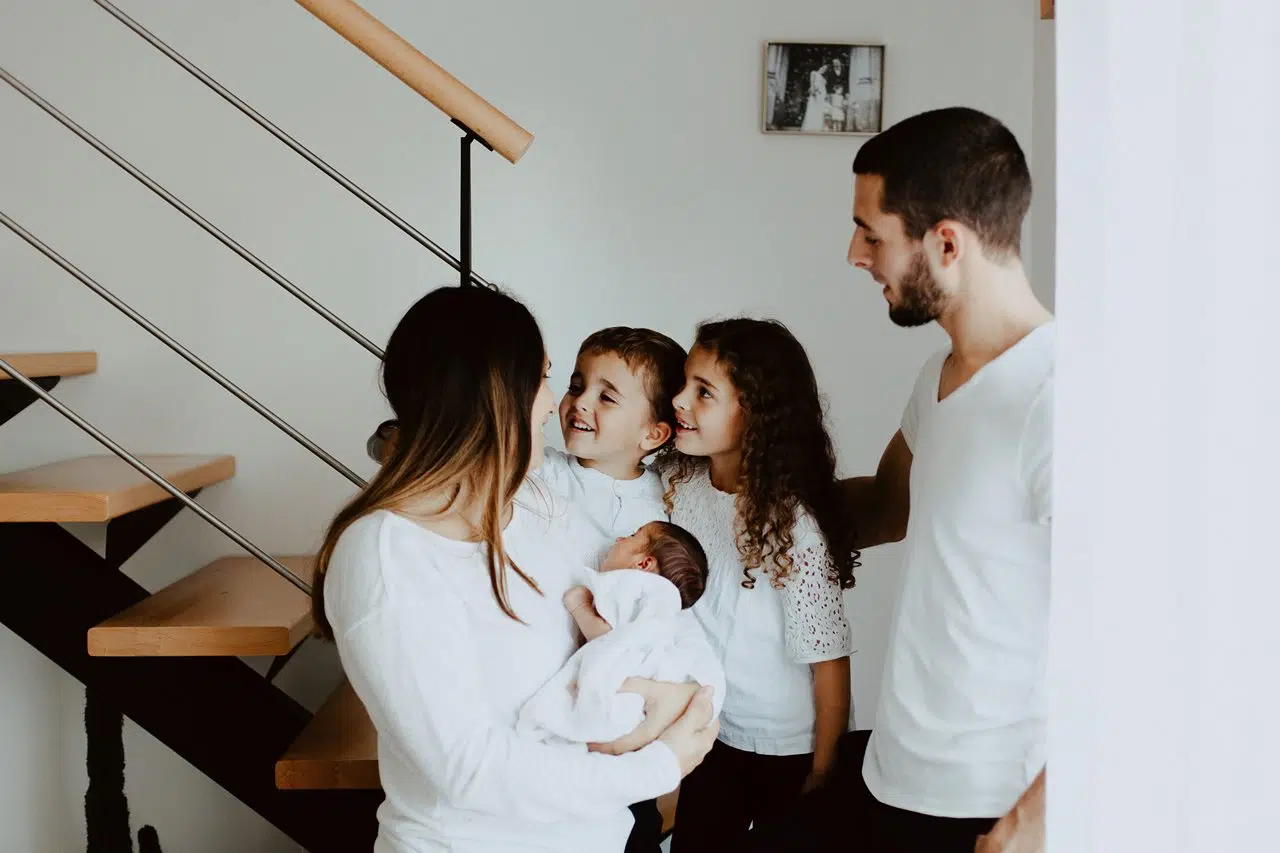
(443, 674)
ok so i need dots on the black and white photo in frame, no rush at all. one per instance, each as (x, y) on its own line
(823, 88)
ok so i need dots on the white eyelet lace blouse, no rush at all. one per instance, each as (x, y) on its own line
(766, 638)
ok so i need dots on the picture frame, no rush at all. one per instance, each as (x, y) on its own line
(822, 88)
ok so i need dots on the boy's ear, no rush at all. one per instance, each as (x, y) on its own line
(659, 434)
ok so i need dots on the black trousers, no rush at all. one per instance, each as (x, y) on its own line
(844, 817)
(729, 791)
(646, 833)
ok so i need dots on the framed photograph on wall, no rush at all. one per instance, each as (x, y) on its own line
(823, 88)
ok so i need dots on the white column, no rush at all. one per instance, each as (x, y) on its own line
(1165, 651)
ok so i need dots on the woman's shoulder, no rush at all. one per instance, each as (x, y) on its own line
(379, 558)
(358, 549)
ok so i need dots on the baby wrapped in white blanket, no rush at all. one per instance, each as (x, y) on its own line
(634, 615)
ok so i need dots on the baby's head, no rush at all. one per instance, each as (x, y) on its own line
(618, 407)
(665, 549)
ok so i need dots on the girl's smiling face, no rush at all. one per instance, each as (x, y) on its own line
(709, 417)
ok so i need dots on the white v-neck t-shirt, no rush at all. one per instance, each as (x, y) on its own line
(443, 673)
(960, 729)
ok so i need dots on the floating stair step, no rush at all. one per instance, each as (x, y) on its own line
(337, 749)
(100, 488)
(37, 364)
(233, 606)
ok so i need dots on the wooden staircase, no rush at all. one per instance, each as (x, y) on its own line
(170, 660)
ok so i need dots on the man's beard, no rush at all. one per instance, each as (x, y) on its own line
(921, 299)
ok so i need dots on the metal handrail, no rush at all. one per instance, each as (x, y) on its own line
(143, 469)
(172, 344)
(181, 206)
(296, 146)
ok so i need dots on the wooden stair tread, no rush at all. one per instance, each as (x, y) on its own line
(233, 606)
(37, 364)
(337, 749)
(103, 487)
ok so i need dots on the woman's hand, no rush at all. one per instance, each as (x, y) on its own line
(664, 702)
(691, 737)
(669, 715)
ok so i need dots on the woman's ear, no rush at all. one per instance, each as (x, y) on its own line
(659, 434)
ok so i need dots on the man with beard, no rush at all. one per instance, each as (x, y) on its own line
(956, 759)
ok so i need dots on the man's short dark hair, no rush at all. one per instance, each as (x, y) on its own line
(954, 163)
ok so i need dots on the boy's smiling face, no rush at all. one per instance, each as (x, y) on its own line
(606, 416)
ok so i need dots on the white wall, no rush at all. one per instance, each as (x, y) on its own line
(34, 809)
(1163, 629)
(1043, 159)
(650, 198)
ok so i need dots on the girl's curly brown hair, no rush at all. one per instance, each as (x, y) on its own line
(788, 460)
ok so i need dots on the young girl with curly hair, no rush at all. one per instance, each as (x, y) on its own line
(754, 480)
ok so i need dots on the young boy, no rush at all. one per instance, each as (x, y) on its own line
(617, 411)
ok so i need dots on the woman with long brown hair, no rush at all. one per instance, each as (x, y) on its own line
(441, 584)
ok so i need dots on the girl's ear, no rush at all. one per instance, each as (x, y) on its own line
(648, 564)
(659, 434)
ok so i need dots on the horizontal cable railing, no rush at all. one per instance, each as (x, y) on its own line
(187, 211)
(478, 119)
(296, 146)
(146, 471)
(172, 344)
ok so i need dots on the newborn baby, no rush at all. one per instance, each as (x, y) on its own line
(634, 615)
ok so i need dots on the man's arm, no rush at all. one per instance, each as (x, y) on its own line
(1022, 829)
(878, 506)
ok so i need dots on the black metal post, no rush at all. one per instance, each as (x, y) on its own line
(464, 207)
(464, 230)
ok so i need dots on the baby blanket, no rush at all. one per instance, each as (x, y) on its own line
(651, 637)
